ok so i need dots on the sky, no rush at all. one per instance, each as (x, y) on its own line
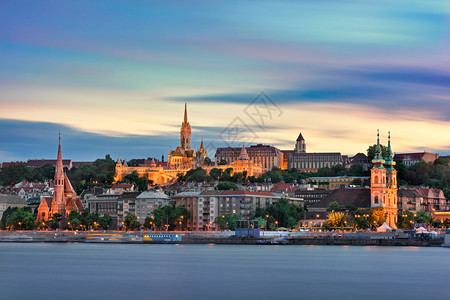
(112, 77)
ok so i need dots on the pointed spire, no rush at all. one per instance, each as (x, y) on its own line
(59, 171)
(119, 162)
(244, 154)
(185, 113)
(389, 159)
(378, 160)
(202, 147)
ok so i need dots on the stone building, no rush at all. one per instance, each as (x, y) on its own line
(64, 199)
(264, 156)
(410, 159)
(309, 162)
(10, 201)
(383, 187)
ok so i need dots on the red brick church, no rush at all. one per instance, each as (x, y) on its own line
(64, 199)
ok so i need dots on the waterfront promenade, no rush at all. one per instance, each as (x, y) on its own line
(226, 237)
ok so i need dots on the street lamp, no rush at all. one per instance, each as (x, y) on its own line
(316, 219)
(276, 225)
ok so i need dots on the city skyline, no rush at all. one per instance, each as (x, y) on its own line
(113, 78)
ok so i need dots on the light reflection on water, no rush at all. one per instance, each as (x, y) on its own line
(115, 271)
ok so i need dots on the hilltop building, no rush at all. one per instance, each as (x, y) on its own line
(183, 159)
(308, 162)
(64, 199)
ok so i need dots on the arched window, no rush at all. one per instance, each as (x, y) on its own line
(376, 179)
(384, 179)
(376, 197)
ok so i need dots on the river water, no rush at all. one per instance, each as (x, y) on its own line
(116, 271)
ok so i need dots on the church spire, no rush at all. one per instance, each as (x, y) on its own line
(244, 154)
(378, 160)
(185, 113)
(389, 159)
(59, 172)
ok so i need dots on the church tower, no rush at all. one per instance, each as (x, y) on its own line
(58, 202)
(300, 144)
(390, 207)
(380, 191)
(185, 132)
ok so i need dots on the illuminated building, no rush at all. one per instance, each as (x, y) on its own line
(383, 187)
(183, 159)
(64, 199)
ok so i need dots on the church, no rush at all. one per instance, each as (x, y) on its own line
(383, 183)
(183, 159)
(64, 199)
(180, 160)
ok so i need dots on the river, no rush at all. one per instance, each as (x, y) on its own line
(124, 271)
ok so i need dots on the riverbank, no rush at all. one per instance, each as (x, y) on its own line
(198, 238)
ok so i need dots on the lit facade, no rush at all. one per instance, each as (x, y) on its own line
(64, 199)
(383, 184)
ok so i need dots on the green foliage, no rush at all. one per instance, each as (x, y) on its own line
(423, 216)
(20, 219)
(432, 175)
(140, 182)
(54, 221)
(148, 223)
(170, 216)
(336, 207)
(226, 186)
(261, 221)
(105, 221)
(227, 221)
(285, 213)
(371, 151)
(361, 222)
(131, 222)
(215, 173)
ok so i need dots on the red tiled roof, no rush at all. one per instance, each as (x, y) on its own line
(122, 186)
(246, 193)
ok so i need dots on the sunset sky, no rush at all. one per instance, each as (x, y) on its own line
(113, 76)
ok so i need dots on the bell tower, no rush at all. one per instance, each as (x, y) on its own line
(58, 202)
(390, 206)
(185, 132)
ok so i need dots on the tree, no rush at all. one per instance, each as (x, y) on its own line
(261, 222)
(215, 173)
(285, 213)
(361, 222)
(378, 216)
(148, 223)
(226, 186)
(54, 221)
(21, 219)
(336, 219)
(371, 151)
(333, 206)
(170, 217)
(423, 216)
(105, 221)
(131, 222)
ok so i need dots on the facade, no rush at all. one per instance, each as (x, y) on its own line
(332, 183)
(265, 156)
(409, 200)
(309, 162)
(410, 159)
(205, 207)
(383, 187)
(10, 201)
(147, 202)
(64, 199)
(107, 204)
(312, 198)
(184, 158)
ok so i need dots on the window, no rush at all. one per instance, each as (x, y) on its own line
(376, 198)
(376, 180)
